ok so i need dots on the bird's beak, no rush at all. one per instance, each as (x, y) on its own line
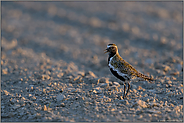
(106, 50)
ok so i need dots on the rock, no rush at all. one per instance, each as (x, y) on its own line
(16, 106)
(162, 67)
(61, 105)
(117, 84)
(13, 101)
(82, 73)
(139, 88)
(90, 80)
(90, 73)
(153, 111)
(60, 97)
(6, 92)
(154, 104)
(97, 90)
(124, 102)
(31, 87)
(166, 68)
(114, 87)
(134, 86)
(77, 79)
(140, 103)
(44, 77)
(103, 80)
(33, 98)
(45, 108)
(107, 100)
(104, 85)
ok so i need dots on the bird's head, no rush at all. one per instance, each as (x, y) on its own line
(111, 49)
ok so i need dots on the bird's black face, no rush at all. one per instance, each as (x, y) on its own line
(111, 49)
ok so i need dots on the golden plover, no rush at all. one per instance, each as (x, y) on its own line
(122, 69)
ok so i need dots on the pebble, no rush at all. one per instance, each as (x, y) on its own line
(140, 103)
(117, 84)
(16, 106)
(97, 90)
(134, 86)
(60, 97)
(45, 108)
(103, 80)
(90, 73)
(124, 102)
(162, 66)
(113, 87)
(153, 111)
(104, 85)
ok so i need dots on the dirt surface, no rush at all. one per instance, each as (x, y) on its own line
(54, 67)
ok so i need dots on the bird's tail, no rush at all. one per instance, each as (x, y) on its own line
(145, 77)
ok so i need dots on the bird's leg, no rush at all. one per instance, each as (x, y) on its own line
(128, 89)
(124, 90)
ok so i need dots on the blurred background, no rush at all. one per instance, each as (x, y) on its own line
(80, 31)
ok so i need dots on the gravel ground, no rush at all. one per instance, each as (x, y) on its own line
(54, 68)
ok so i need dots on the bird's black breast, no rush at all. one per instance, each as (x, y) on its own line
(115, 73)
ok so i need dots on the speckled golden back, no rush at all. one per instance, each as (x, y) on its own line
(123, 66)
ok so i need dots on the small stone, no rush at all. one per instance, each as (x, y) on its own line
(94, 91)
(90, 73)
(165, 103)
(82, 73)
(60, 97)
(140, 103)
(104, 85)
(31, 86)
(44, 91)
(5, 71)
(103, 80)
(117, 84)
(107, 100)
(16, 106)
(38, 115)
(139, 112)
(169, 94)
(97, 90)
(45, 108)
(113, 109)
(114, 87)
(6, 92)
(153, 111)
(154, 104)
(62, 105)
(166, 68)
(139, 88)
(169, 82)
(33, 98)
(162, 66)
(45, 77)
(134, 90)
(124, 102)
(134, 87)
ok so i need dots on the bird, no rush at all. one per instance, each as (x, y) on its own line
(122, 69)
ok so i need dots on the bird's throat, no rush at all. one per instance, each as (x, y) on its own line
(110, 56)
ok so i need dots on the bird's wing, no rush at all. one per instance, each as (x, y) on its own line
(125, 67)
